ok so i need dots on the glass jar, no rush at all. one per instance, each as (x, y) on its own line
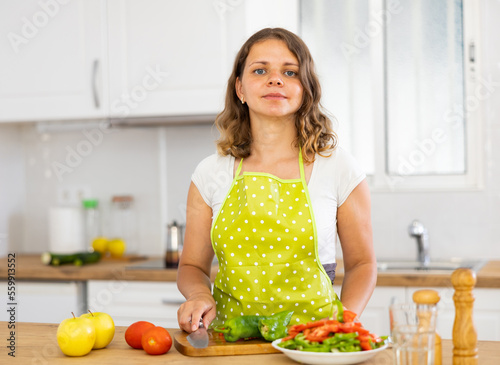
(123, 222)
(91, 221)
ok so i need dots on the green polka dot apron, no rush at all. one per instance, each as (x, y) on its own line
(265, 240)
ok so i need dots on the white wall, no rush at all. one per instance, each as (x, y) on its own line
(186, 147)
(116, 162)
(12, 185)
(152, 164)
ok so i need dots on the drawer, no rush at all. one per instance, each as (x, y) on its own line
(128, 302)
(43, 302)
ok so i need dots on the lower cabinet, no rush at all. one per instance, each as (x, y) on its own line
(42, 302)
(486, 314)
(375, 317)
(158, 302)
(131, 301)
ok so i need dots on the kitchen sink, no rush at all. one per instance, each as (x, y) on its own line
(437, 265)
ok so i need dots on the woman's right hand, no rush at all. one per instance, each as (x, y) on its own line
(199, 307)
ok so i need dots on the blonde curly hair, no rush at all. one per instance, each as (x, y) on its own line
(314, 129)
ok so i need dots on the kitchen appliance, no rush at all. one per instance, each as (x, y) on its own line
(175, 239)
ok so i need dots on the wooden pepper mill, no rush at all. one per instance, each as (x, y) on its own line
(430, 298)
(464, 332)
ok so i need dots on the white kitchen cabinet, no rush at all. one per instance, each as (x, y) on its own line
(486, 314)
(88, 59)
(169, 57)
(131, 301)
(375, 317)
(486, 310)
(53, 63)
(43, 302)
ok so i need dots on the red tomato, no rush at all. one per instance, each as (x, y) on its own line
(156, 341)
(134, 332)
(349, 316)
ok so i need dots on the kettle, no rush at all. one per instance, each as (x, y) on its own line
(175, 239)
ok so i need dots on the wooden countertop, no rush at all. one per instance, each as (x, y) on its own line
(29, 267)
(35, 343)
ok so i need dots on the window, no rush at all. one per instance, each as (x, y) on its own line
(400, 79)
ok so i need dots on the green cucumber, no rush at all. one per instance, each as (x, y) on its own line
(78, 258)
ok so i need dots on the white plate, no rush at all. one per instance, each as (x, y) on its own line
(328, 358)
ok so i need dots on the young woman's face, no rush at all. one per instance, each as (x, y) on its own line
(270, 82)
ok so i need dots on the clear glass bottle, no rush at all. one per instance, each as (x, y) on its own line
(91, 221)
(124, 221)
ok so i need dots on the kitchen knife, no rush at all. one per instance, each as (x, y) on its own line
(199, 338)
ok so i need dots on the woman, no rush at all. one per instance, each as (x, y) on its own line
(271, 202)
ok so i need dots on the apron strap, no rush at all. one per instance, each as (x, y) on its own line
(238, 169)
(301, 166)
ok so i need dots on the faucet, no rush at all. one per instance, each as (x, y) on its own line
(417, 230)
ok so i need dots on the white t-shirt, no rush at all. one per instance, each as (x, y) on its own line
(332, 180)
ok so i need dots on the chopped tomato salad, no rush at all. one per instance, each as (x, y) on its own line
(329, 335)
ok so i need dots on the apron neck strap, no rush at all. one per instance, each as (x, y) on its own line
(239, 168)
(301, 166)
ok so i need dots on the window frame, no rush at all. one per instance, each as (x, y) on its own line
(471, 180)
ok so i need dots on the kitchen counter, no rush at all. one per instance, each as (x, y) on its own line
(29, 267)
(36, 344)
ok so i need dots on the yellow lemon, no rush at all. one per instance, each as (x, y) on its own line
(117, 247)
(100, 244)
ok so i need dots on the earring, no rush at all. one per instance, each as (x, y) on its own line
(242, 100)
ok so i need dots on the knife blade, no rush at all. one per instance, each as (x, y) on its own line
(199, 338)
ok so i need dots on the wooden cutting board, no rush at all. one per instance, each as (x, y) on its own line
(217, 346)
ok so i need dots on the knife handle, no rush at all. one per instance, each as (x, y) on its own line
(200, 325)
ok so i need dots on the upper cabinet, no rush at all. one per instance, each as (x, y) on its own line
(52, 63)
(118, 59)
(171, 57)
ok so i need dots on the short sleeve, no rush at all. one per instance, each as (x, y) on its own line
(212, 176)
(350, 175)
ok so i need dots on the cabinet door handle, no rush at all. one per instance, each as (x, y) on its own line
(95, 91)
(172, 301)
